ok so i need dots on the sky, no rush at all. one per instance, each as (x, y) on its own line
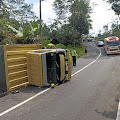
(46, 10)
(101, 15)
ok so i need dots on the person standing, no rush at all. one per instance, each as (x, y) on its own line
(86, 50)
(74, 54)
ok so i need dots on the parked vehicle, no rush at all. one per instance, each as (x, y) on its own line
(100, 43)
(112, 45)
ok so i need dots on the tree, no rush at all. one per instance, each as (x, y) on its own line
(105, 27)
(78, 20)
(25, 34)
(116, 31)
(12, 12)
(20, 10)
(4, 16)
(60, 7)
(3, 10)
(115, 6)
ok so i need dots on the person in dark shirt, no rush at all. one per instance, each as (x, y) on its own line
(85, 49)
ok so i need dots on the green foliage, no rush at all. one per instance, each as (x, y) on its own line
(12, 12)
(78, 23)
(45, 43)
(60, 46)
(69, 46)
(115, 6)
(19, 31)
(65, 35)
(80, 50)
(3, 10)
(60, 8)
(116, 31)
(34, 28)
(55, 36)
(25, 34)
(19, 10)
(46, 32)
(27, 31)
(80, 19)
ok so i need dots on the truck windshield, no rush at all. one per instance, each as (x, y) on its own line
(114, 43)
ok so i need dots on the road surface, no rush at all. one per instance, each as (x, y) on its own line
(92, 93)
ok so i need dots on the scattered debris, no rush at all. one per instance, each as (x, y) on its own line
(15, 92)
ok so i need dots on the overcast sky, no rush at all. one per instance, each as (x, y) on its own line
(47, 10)
(101, 13)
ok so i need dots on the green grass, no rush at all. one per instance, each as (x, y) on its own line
(80, 50)
(60, 46)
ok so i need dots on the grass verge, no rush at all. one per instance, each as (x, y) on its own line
(80, 50)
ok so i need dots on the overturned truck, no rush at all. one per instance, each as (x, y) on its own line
(29, 64)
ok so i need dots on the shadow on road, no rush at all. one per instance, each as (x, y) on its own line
(108, 114)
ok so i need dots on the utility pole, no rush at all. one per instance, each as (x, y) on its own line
(73, 33)
(118, 21)
(40, 19)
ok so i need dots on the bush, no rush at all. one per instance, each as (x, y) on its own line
(60, 46)
(69, 46)
(80, 51)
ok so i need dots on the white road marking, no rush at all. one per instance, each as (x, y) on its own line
(29, 99)
(88, 64)
(18, 105)
(118, 112)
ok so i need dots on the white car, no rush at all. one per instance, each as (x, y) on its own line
(99, 43)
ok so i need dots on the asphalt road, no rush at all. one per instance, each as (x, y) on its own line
(92, 94)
